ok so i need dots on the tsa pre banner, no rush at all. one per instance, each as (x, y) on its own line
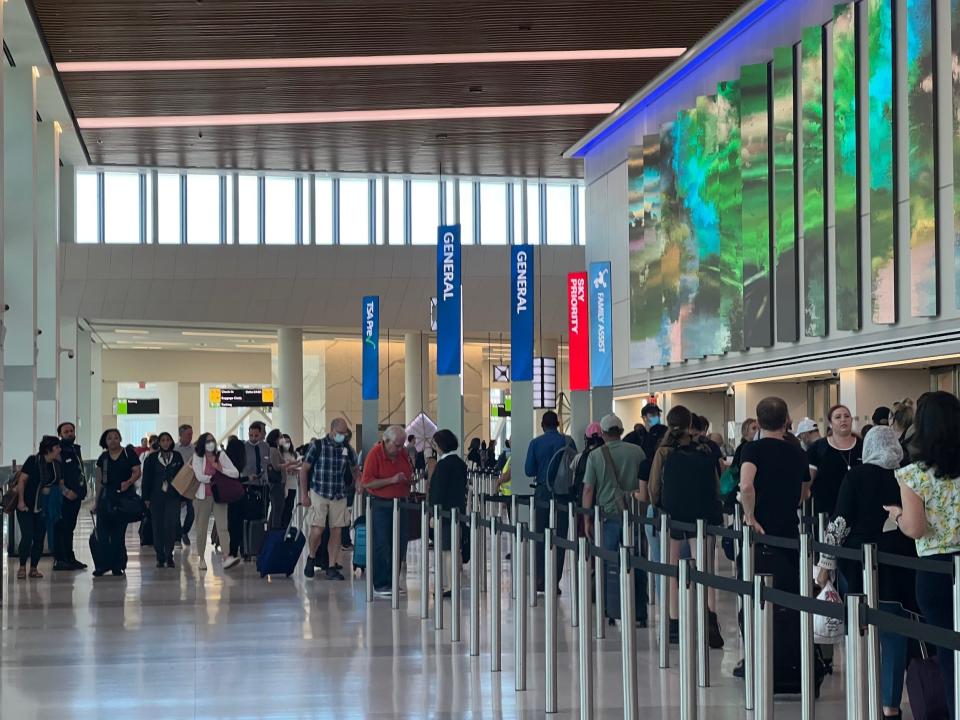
(577, 327)
(371, 347)
(601, 310)
(521, 313)
(449, 301)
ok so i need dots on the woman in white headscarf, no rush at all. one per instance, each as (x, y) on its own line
(859, 519)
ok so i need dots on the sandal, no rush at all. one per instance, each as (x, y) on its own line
(22, 574)
(34, 573)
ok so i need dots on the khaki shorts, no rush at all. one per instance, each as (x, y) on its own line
(323, 509)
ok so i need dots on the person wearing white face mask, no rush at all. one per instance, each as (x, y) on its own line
(290, 463)
(322, 490)
(207, 461)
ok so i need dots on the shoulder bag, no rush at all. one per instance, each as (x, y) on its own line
(611, 465)
(226, 489)
(125, 507)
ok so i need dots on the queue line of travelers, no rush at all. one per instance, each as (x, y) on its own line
(895, 483)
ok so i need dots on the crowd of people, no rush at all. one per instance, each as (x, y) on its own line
(894, 482)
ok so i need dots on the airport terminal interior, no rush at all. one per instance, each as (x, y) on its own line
(408, 359)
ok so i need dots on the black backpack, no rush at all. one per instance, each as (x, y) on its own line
(688, 485)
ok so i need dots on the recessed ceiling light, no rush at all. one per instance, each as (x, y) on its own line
(120, 331)
(368, 60)
(191, 333)
(348, 116)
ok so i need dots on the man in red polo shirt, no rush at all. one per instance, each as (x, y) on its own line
(387, 474)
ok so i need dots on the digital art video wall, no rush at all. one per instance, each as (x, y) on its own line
(767, 211)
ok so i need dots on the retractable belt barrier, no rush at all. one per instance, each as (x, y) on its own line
(756, 595)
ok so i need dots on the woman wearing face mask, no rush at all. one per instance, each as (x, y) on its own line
(290, 467)
(118, 470)
(832, 457)
(37, 476)
(207, 461)
(277, 478)
(163, 502)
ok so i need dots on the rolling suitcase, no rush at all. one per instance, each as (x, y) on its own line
(255, 523)
(360, 543)
(96, 549)
(281, 549)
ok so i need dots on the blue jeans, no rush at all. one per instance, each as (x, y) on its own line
(382, 530)
(893, 660)
(935, 598)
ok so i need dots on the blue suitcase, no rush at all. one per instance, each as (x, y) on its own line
(280, 552)
(360, 543)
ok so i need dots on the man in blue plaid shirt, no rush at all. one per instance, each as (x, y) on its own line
(325, 466)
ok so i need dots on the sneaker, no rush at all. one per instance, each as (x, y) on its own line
(333, 574)
(230, 561)
(171, 565)
(201, 564)
(185, 540)
(674, 632)
(715, 638)
(96, 573)
(308, 568)
(738, 670)
(77, 565)
(119, 573)
(62, 565)
(382, 592)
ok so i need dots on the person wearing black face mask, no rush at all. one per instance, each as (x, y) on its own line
(74, 491)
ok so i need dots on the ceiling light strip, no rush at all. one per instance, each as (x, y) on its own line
(346, 116)
(366, 60)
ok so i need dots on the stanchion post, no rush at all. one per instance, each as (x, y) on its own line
(749, 680)
(703, 641)
(532, 556)
(370, 531)
(807, 685)
(550, 618)
(956, 628)
(628, 637)
(689, 646)
(763, 649)
(474, 584)
(572, 576)
(513, 550)
(664, 587)
(395, 557)
(871, 597)
(599, 577)
(455, 575)
(856, 667)
(494, 596)
(424, 562)
(585, 658)
(520, 613)
(437, 570)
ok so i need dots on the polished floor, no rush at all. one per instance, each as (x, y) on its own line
(178, 644)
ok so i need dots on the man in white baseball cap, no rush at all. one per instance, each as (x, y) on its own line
(807, 432)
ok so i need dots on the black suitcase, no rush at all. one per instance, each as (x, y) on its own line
(96, 550)
(786, 655)
(254, 532)
(146, 530)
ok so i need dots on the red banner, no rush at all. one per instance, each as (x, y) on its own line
(578, 326)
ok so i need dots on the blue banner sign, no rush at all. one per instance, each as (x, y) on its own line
(521, 312)
(601, 323)
(449, 301)
(371, 347)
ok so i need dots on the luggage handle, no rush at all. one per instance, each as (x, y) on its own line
(917, 617)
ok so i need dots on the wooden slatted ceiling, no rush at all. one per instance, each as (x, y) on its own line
(158, 29)
(182, 29)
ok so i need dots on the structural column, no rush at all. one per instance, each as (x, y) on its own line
(19, 264)
(290, 392)
(415, 379)
(47, 282)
